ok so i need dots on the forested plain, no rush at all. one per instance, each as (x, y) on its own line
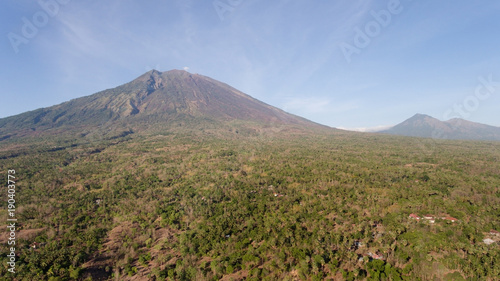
(252, 206)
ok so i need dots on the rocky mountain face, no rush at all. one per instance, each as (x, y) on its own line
(154, 101)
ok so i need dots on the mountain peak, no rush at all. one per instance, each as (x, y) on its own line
(157, 100)
(157, 73)
(177, 71)
(420, 116)
(421, 125)
(154, 71)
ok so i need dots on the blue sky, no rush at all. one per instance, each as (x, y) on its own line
(348, 64)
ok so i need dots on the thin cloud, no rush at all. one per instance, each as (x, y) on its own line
(307, 105)
(316, 105)
(368, 129)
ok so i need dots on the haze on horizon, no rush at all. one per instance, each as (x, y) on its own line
(362, 64)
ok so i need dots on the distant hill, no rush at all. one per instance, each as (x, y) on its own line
(421, 125)
(154, 101)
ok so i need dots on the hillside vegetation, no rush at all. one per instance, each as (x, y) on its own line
(236, 205)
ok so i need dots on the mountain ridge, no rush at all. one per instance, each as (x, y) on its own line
(422, 125)
(154, 98)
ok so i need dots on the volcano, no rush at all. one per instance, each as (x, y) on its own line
(155, 101)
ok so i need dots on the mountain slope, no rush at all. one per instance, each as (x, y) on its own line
(155, 100)
(421, 125)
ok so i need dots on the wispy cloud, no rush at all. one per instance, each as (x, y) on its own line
(307, 105)
(368, 129)
(316, 105)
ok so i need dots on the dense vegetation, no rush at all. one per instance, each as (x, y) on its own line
(257, 207)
